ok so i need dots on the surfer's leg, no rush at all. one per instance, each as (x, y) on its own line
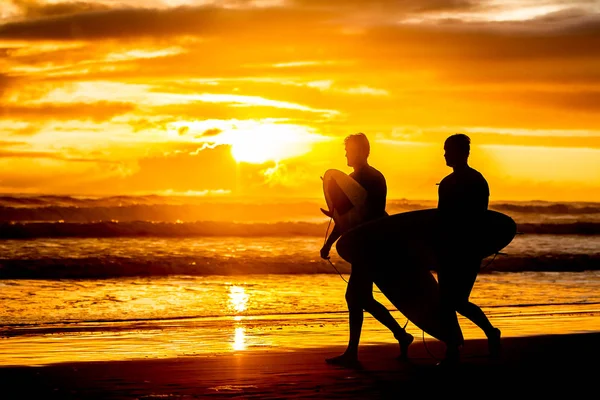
(478, 317)
(355, 299)
(355, 320)
(381, 314)
(448, 294)
(356, 317)
(362, 296)
(472, 311)
(350, 357)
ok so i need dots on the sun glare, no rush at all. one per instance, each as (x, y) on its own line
(270, 142)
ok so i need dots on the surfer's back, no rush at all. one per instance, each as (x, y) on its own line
(464, 191)
(462, 201)
(375, 184)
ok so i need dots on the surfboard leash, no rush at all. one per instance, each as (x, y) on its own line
(497, 254)
(328, 260)
(332, 264)
(427, 348)
(491, 261)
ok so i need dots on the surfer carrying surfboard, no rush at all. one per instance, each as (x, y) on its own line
(359, 292)
(463, 198)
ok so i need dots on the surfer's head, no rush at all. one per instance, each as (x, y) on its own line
(357, 149)
(456, 150)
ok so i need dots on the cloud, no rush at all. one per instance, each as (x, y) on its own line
(48, 155)
(183, 130)
(210, 169)
(97, 112)
(365, 90)
(37, 9)
(294, 177)
(5, 83)
(198, 150)
(202, 21)
(20, 128)
(573, 18)
(82, 20)
(237, 41)
(390, 6)
(495, 136)
(28, 173)
(466, 42)
(9, 143)
(313, 18)
(210, 132)
(573, 101)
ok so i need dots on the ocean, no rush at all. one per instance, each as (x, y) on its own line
(129, 277)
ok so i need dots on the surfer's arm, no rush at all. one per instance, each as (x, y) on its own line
(333, 236)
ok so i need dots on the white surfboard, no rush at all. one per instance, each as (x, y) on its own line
(345, 199)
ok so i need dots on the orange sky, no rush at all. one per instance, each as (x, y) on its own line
(254, 98)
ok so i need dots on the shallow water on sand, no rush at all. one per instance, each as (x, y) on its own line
(47, 321)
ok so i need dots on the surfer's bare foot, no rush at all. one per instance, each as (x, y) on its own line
(345, 360)
(404, 341)
(494, 343)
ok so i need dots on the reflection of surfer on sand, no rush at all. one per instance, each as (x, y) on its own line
(462, 201)
(359, 292)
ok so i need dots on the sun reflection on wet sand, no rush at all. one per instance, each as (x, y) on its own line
(238, 300)
(239, 339)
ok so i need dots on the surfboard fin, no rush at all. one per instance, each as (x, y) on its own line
(328, 213)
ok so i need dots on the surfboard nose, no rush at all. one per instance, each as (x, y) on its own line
(328, 213)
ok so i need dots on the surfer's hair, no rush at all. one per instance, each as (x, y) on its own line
(459, 142)
(360, 140)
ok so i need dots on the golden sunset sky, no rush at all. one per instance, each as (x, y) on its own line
(254, 98)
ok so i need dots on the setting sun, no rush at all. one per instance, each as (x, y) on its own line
(269, 142)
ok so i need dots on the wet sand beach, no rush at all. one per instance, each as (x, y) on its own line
(531, 364)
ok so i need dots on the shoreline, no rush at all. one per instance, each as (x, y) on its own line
(226, 336)
(539, 363)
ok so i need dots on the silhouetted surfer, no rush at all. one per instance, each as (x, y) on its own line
(359, 293)
(463, 198)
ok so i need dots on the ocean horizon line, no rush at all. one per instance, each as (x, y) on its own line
(246, 197)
